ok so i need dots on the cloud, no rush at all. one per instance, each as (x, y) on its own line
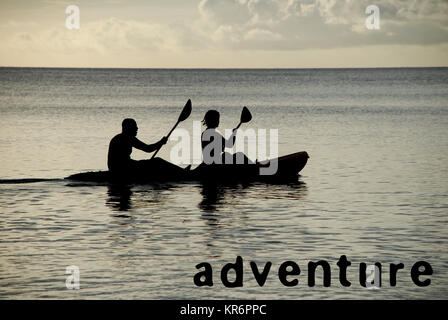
(213, 29)
(300, 24)
(262, 35)
(249, 24)
(109, 36)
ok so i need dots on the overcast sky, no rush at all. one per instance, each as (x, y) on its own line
(224, 33)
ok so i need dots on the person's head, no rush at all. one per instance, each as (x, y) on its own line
(211, 119)
(129, 127)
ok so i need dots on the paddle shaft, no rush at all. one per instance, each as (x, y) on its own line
(238, 126)
(167, 138)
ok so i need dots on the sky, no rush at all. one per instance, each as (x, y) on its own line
(224, 34)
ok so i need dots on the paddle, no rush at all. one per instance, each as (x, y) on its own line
(245, 117)
(186, 111)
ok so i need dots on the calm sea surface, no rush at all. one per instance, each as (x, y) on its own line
(375, 188)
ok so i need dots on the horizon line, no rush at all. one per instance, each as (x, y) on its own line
(224, 68)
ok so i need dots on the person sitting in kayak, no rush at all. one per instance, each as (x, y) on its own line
(212, 140)
(120, 148)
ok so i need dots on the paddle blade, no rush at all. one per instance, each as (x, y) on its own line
(186, 111)
(245, 115)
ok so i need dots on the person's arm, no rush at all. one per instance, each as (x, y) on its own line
(148, 147)
(208, 137)
(230, 141)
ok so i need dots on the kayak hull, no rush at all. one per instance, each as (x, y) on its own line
(288, 168)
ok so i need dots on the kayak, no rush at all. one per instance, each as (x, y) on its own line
(288, 168)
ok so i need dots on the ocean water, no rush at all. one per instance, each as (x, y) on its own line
(375, 188)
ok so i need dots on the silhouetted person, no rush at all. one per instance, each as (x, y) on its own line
(119, 156)
(120, 147)
(212, 140)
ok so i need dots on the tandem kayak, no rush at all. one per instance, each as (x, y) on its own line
(288, 168)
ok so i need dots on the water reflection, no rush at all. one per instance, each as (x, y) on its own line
(218, 196)
(212, 195)
(130, 197)
(119, 197)
(215, 196)
(296, 190)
